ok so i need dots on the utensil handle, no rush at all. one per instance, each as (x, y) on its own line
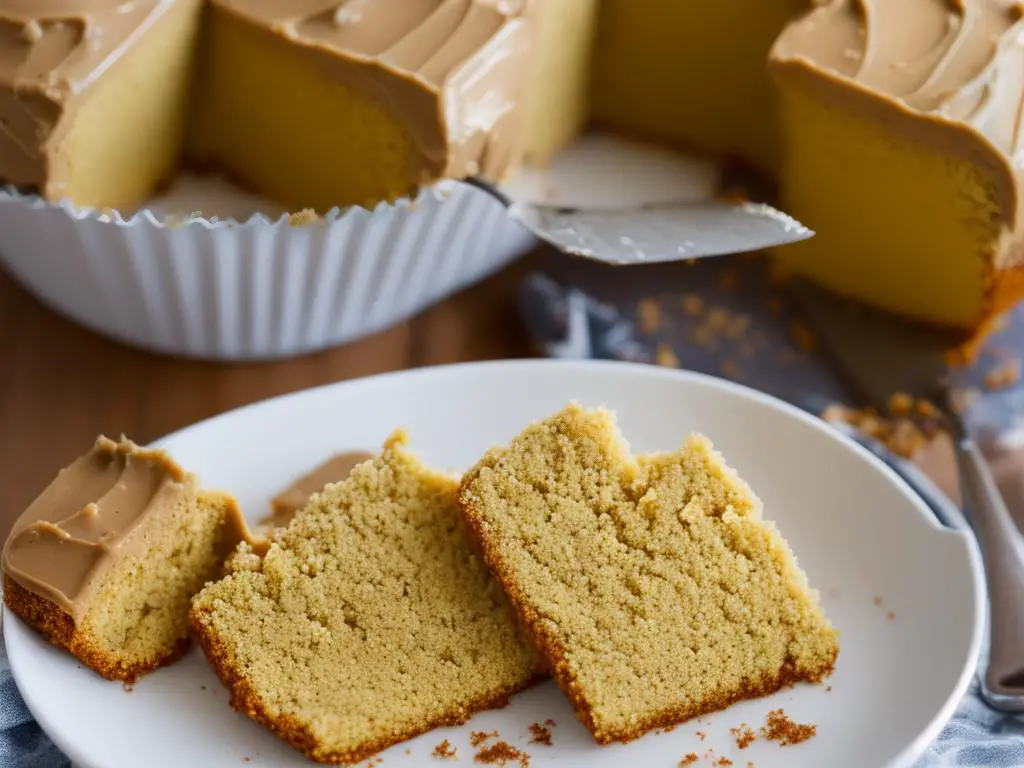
(1003, 554)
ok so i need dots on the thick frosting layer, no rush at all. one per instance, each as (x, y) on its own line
(84, 521)
(453, 70)
(951, 70)
(51, 51)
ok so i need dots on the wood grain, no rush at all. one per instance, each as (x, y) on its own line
(61, 386)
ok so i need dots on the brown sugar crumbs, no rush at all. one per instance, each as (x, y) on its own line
(476, 738)
(804, 338)
(907, 427)
(502, 753)
(890, 615)
(648, 313)
(445, 751)
(540, 733)
(744, 735)
(877, 601)
(701, 735)
(693, 305)
(689, 759)
(665, 357)
(725, 762)
(1004, 375)
(779, 727)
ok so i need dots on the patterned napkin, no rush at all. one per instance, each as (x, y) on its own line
(725, 317)
(22, 742)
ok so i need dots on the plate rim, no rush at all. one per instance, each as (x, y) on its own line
(913, 750)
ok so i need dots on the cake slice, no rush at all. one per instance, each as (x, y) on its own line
(93, 97)
(904, 158)
(355, 103)
(286, 504)
(652, 586)
(105, 562)
(691, 74)
(369, 620)
(557, 101)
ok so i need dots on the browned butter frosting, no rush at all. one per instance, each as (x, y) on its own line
(296, 495)
(51, 51)
(452, 70)
(945, 72)
(88, 517)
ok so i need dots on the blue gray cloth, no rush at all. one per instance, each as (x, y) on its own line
(576, 310)
(22, 742)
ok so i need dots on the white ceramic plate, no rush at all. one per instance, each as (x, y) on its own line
(862, 536)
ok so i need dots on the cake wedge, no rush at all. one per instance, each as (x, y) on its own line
(104, 563)
(652, 586)
(370, 619)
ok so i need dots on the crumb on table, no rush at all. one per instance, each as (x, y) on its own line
(1004, 375)
(692, 304)
(648, 313)
(665, 357)
(689, 759)
(803, 337)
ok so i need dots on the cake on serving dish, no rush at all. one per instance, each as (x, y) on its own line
(104, 563)
(891, 127)
(370, 619)
(652, 586)
(296, 496)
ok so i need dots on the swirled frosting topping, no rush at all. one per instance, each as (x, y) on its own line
(50, 52)
(84, 520)
(960, 60)
(452, 70)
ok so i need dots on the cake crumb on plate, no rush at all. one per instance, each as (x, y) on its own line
(779, 727)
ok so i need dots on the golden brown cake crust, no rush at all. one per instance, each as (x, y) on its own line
(555, 656)
(246, 700)
(59, 629)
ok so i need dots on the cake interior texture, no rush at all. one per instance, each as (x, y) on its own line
(126, 139)
(315, 142)
(653, 586)
(691, 73)
(370, 619)
(948, 205)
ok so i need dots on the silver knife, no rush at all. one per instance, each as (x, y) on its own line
(655, 234)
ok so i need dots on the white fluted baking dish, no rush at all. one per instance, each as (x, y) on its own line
(259, 289)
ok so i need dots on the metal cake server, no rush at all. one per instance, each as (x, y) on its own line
(655, 234)
(878, 356)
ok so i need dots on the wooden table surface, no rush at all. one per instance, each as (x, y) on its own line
(61, 386)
